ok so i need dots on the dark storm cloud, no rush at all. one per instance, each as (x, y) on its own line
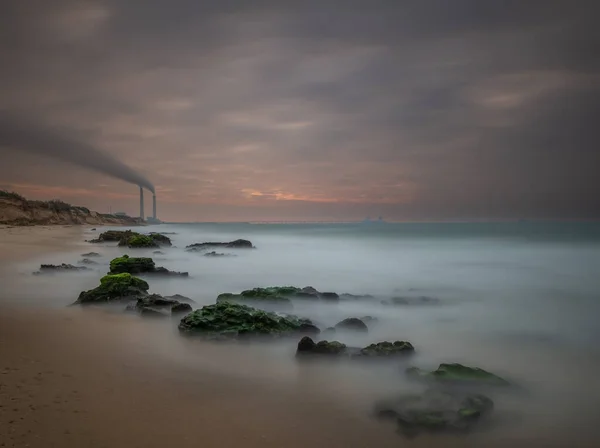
(435, 109)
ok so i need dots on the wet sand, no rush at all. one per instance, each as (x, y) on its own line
(73, 378)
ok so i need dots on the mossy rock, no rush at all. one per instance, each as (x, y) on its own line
(113, 235)
(158, 303)
(435, 411)
(227, 320)
(137, 241)
(387, 349)
(160, 239)
(114, 287)
(352, 324)
(459, 374)
(132, 265)
(307, 346)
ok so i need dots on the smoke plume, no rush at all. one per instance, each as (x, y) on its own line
(21, 134)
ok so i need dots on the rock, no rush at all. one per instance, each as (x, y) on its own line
(87, 261)
(329, 296)
(137, 241)
(387, 349)
(113, 235)
(152, 313)
(352, 324)
(63, 267)
(140, 265)
(93, 229)
(275, 296)
(458, 374)
(435, 411)
(180, 298)
(181, 308)
(307, 346)
(420, 300)
(216, 254)
(330, 331)
(158, 252)
(227, 320)
(160, 239)
(237, 244)
(91, 255)
(347, 296)
(114, 287)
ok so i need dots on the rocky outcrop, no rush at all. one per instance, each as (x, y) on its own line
(18, 211)
(458, 374)
(138, 241)
(277, 295)
(226, 320)
(352, 324)
(117, 287)
(87, 261)
(216, 254)
(91, 255)
(160, 239)
(155, 305)
(140, 265)
(435, 411)
(63, 267)
(113, 236)
(237, 244)
(336, 349)
(128, 238)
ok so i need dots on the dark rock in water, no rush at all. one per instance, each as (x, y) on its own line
(352, 324)
(227, 320)
(152, 313)
(180, 298)
(330, 331)
(113, 235)
(380, 350)
(237, 244)
(87, 261)
(310, 290)
(420, 300)
(63, 267)
(158, 252)
(140, 265)
(181, 308)
(91, 255)
(307, 346)
(160, 239)
(114, 288)
(387, 349)
(329, 296)
(275, 296)
(93, 229)
(216, 254)
(137, 241)
(458, 374)
(347, 296)
(435, 411)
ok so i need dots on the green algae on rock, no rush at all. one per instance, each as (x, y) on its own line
(458, 373)
(435, 411)
(387, 349)
(114, 287)
(138, 241)
(227, 320)
(140, 265)
(307, 346)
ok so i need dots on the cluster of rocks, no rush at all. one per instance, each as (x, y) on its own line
(277, 295)
(335, 349)
(237, 244)
(63, 267)
(128, 238)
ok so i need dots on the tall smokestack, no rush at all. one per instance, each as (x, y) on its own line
(154, 206)
(142, 204)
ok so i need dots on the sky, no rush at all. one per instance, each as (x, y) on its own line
(288, 110)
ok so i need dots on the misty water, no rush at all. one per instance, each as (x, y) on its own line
(518, 299)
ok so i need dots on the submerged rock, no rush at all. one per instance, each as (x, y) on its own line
(409, 300)
(458, 374)
(63, 267)
(216, 254)
(114, 288)
(160, 239)
(140, 265)
(87, 261)
(435, 411)
(352, 324)
(91, 255)
(237, 244)
(155, 305)
(380, 350)
(227, 320)
(158, 252)
(180, 298)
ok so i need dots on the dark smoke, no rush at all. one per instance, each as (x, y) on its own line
(18, 133)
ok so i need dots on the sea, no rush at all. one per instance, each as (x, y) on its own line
(520, 299)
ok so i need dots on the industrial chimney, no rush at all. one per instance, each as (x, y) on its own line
(142, 204)
(154, 206)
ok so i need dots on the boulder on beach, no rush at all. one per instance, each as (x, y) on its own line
(458, 374)
(435, 411)
(140, 265)
(237, 244)
(227, 320)
(379, 350)
(352, 324)
(63, 267)
(114, 287)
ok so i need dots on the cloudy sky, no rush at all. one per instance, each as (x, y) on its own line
(303, 110)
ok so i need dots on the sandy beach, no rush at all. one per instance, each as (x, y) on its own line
(71, 378)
